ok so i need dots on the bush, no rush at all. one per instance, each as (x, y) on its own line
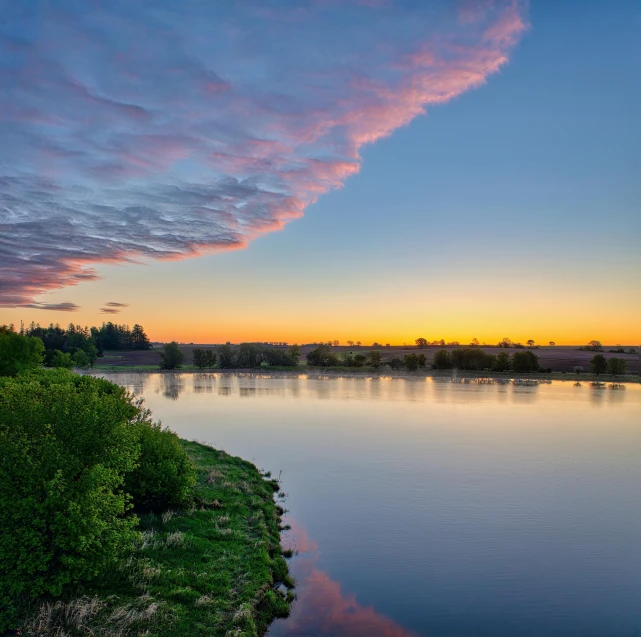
(410, 361)
(80, 359)
(375, 359)
(616, 366)
(523, 362)
(323, 356)
(472, 359)
(18, 352)
(598, 364)
(165, 475)
(66, 444)
(395, 363)
(61, 360)
(226, 356)
(172, 357)
(502, 362)
(203, 358)
(442, 360)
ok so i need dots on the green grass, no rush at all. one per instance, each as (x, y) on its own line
(217, 569)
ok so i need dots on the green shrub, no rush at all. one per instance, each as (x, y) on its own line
(165, 475)
(18, 352)
(616, 366)
(66, 444)
(525, 362)
(410, 361)
(61, 360)
(172, 357)
(442, 360)
(598, 364)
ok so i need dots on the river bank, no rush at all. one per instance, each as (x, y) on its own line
(216, 569)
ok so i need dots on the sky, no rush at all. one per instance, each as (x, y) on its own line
(373, 170)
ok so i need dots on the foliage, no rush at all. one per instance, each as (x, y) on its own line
(421, 342)
(211, 570)
(113, 336)
(360, 360)
(375, 359)
(80, 359)
(18, 352)
(523, 362)
(442, 360)
(248, 355)
(164, 476)
(322, 356)
(203, 358)
(172, 357)
(395, 363)
(616, 366)
(410, 362)
(598, 364)
(60, 359)
(293, 353)
(501, 362)
(594, 346)
(226, 356)
(422, 360)
(66, 443)
(471, 358)
(505, 342)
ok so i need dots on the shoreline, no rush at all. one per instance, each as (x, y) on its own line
(321, 373)
(217, 568)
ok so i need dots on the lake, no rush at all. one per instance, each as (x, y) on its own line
(434, 508)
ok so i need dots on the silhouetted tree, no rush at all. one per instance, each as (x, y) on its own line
(226, 356)
(442, 360)
(551, 343)
(375, 359)
(421, 342)
(598, 364)
(594, 346)
(502, 362)
(172, 357)
(523, 362)
(322, 356)
(530, 342)
(616, 366)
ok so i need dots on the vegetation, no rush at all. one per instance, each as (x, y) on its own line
(442, 360)
(523, 362)
(598, 364)
(172, 357)
(18, 352)
(203, 358)
(78, 455)
(616, 366)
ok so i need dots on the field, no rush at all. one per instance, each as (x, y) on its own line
(559, 358)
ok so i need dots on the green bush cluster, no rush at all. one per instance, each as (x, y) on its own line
(77, 453)
(476, 359)
(249, 355)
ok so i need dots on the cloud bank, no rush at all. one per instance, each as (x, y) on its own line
(164, 129)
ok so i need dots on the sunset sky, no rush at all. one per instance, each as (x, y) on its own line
(323, 169)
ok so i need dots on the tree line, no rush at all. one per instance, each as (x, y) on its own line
(78, 346)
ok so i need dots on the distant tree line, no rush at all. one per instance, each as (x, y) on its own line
(473, 359)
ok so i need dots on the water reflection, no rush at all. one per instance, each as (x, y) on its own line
(321, 608)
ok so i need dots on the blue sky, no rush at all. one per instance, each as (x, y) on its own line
(521, 195)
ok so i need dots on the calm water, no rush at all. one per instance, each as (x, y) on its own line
(434, 508)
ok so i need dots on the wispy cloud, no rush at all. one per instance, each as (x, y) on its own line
(158, 130)
(114, 304)
(58, 307)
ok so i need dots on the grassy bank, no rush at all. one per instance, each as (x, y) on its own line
(216, 569)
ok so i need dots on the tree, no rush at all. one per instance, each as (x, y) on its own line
(61, 360)
(293, 353)
(336, 343)
(350, 343)
(80, 359)
(421, 342)
(201, 358)
(375, 359)
(395, 363)
(551, 343)
(505, 342)
(248, 355)
(594, 346)
(422, 360)
(360, 360)
(523, 362)
(475, 342)
(172, 357)
(226, 356)
(442, 360)
(139, 339)
(18, 353)
(358, 343)
(616, 366)
(322, 356)
(530, 342)
(410, 361)
(502, 362)
(66, 444)
(598, 364)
